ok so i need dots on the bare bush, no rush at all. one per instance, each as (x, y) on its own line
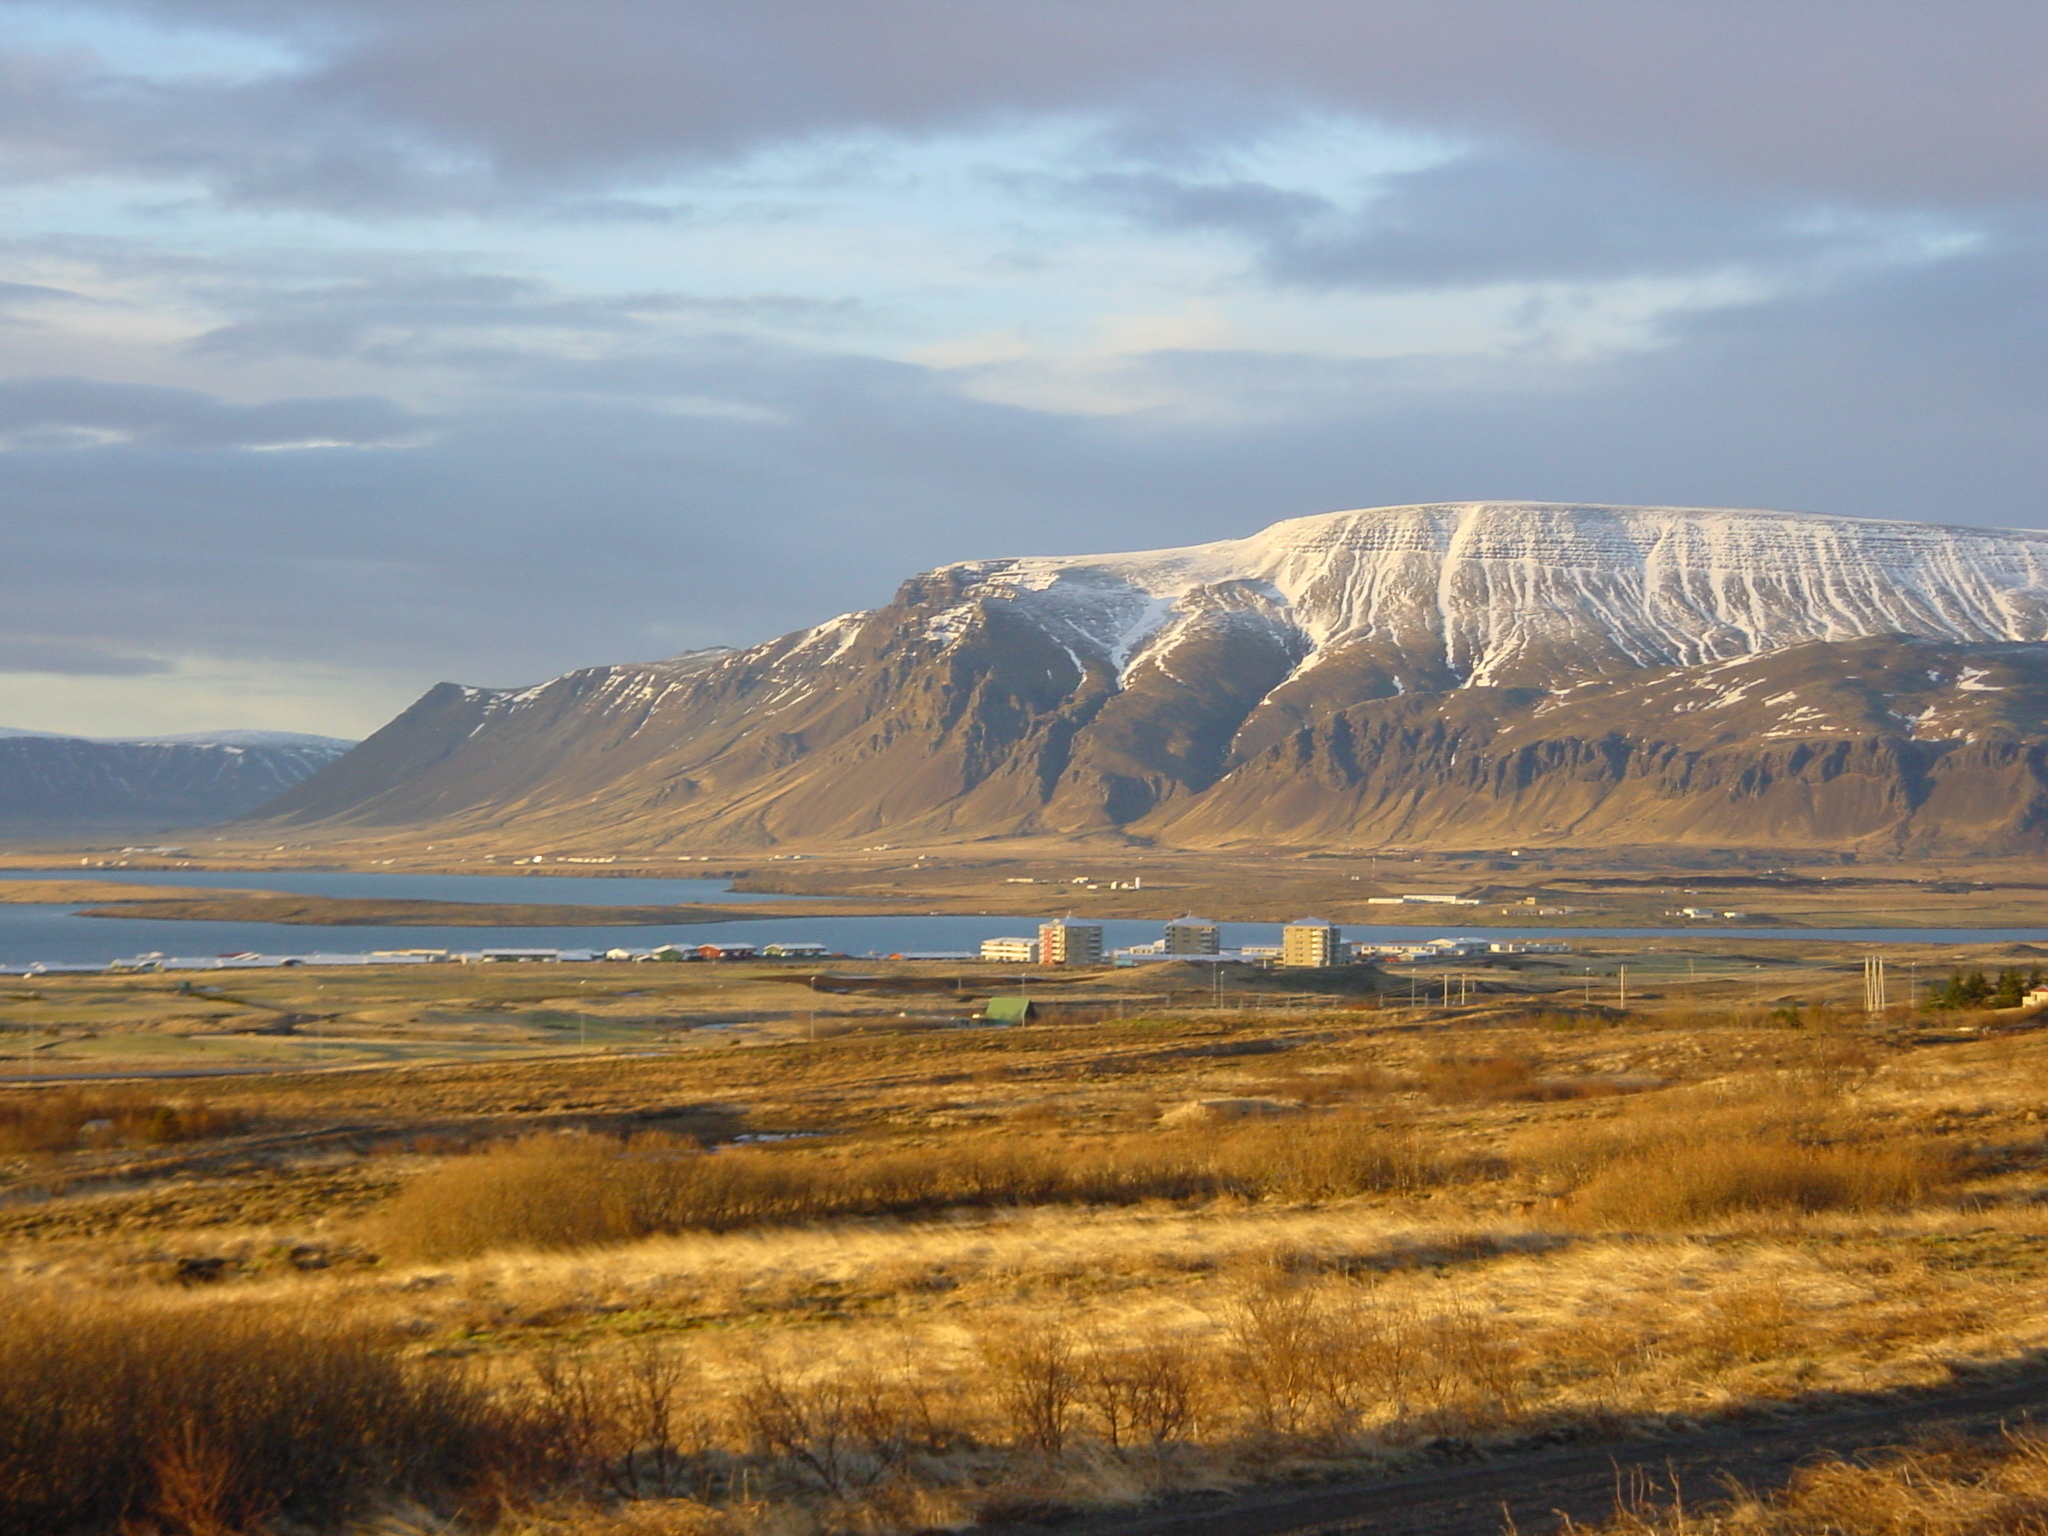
(63, 1119)
(628, 1423)
(844, 1432)
(553, 1192)
(1328, 1159)
(1502, 1079)
(1687, 1184)
(1150, 1394)
(209, 1420)
(1036, 1380)
(1308, 1360)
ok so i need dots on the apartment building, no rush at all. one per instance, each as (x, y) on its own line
(1193, 936)
(1067, 942)
(1311, 941)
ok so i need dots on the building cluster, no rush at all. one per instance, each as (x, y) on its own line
(251, 961)
(1307, 941)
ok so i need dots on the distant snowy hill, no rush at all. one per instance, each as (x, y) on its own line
(332, 745)
(53, 785)
(1460, 673)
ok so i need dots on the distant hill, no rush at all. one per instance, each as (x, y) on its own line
(1460, 675)
(63, 785)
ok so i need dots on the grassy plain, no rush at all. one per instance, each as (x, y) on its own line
(701, 1248)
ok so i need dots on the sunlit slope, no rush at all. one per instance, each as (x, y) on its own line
(1464, 673)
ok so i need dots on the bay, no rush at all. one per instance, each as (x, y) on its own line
(56, 933)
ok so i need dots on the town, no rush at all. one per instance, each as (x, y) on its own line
(1307, 942)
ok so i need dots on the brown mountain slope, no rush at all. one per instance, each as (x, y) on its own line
(1889, 743)
(1492, 673)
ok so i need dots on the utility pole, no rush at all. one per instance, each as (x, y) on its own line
(1624, 986)
(1873, 984)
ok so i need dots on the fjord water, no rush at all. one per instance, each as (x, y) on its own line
(57, 933)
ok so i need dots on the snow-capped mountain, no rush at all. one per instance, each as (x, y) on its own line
(1379, 675)
(53, 785)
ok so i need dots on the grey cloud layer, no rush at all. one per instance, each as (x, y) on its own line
(573, 518)
(464, 103)
(67, 412)
(436, 464)
(1508, 215)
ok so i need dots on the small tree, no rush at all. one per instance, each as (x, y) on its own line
(2009, 993)
(1961, 991)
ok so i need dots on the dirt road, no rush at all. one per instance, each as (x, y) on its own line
(1529, 1495)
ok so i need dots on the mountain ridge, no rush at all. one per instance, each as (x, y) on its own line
(1141, 693)
(53, 785)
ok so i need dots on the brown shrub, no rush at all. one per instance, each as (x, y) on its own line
(630, 1424)
(63, 1119)
(1357, 1081)
(1302, 1357)
(1327, 1159)
(212, 1419)
(555, 1192)
(845, 1433)
(1687, 1184)
(1785, 1141)
(1501, 1079)
(1036, 1379)
(1150, 1394)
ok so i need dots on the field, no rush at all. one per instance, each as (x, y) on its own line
(705, 1248)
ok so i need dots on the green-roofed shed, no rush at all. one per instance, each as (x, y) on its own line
(1009, 1010)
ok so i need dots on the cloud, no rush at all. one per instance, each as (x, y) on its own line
(465, 104)
(1512, 215)
(73, 658)
(400, 315)
(59, 413)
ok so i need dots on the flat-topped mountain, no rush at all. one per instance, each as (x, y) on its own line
(1454, 673)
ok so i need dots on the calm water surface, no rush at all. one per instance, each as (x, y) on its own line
(57, 933)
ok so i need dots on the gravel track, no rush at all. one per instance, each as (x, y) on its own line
(1530, 1495)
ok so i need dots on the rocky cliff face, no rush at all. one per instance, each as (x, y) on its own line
(1464, 674)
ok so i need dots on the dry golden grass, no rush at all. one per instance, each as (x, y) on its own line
(1943, 1488)
(1004, 1283)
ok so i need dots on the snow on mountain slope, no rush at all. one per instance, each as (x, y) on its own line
(1490, 583)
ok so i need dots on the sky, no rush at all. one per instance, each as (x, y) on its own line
(347, 346)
